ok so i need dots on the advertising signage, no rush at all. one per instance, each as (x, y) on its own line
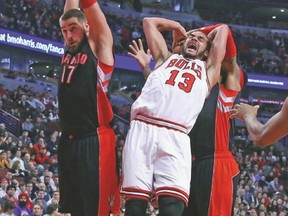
(49, 47)
(30, 42)
(266, 81)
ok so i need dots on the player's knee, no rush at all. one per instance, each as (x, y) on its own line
(170, 206)
(135, 207)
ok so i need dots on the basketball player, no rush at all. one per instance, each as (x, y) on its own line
(215, 172)
(263, 134)
(156, 154)
(224, 93)
(87, 167)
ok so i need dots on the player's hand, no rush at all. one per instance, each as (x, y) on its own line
(137, 52)
(178, 37)
(243, 110)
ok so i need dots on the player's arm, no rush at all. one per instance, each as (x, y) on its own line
(263, 134)
(153, 26)
(70, 4)
(142, 57)
(234, 75)
(216, 53)
(100, 36)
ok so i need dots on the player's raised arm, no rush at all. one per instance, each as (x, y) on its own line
(100, 36)
(153, 26)
(263, 134)
(216, 53)
(70, 4)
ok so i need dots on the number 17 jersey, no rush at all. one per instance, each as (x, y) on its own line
(175, 91)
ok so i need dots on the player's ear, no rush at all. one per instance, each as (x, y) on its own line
(86, 27)
(205, 56)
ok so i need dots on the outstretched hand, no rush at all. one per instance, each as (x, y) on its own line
(137, 52)
(242, 111)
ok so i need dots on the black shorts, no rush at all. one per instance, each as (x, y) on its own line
(213, 185)
(87, 173)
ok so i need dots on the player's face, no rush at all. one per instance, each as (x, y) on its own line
(73, 32)
(195, 45)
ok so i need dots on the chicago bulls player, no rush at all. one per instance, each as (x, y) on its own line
(156, 154)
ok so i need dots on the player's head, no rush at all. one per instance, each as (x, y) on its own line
(74, 26)
(196, 45)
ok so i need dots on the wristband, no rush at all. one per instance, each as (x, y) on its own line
(231, 50)
(87, 3)
(207, 29)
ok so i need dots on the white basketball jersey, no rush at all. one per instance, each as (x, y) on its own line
(174, 91)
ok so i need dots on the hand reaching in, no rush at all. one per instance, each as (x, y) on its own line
(137, 52)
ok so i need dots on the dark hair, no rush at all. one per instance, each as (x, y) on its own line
(10, 186)
(51, 208)
(80, 15)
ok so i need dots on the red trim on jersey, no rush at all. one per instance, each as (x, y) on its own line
(104, 109)
(109, 199)
(130, 193)
(221, 198)
(226, 99)
(106, 68)
(159, 122)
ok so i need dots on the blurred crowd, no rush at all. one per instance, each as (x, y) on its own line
(28, 160)
(259, 52)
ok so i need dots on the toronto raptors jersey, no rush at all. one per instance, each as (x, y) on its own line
(83, 103)
(174, 91)
(214, 113)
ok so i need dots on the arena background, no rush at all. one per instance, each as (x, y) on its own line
(30, 56)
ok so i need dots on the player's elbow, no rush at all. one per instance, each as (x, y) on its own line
(146, 22)
(262, 141)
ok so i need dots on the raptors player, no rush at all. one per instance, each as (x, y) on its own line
(156, 154)
(86, 153)
(215, 172)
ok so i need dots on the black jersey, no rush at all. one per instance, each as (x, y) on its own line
(212, 130)
(82, 93)
(206, 137)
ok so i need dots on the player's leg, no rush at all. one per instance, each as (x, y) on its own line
(135, 207)
(170, 206)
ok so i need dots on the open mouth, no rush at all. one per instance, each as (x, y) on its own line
(192, 46)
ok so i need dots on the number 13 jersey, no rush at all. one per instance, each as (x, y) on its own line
(175, 91)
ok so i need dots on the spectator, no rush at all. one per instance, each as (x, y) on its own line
(3, 188)
(4, 162)
(37, 210)
(10, 192)
(52, 143)
(42, 192)
(27, 125)
(8, 209)
(52, 210)
(17, 171)
(41, 202)
(17, 157)
(38, 146)
(42, 157)
(21, 208)
(55, 198)
(26, 140)
(50, 187)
